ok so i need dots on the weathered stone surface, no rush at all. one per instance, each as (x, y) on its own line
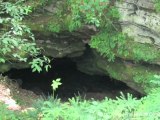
(87, 63)
(64, 45)
(56, 46)
(9, 65)
(135, 75)
(140, 21)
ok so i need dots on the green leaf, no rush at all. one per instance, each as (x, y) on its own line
(56, 83)
(1, 20)
(2, 60)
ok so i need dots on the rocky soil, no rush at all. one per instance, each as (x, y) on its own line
(14, 97)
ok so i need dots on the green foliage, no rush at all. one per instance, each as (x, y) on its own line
(17, 43)
(157, 5)
(155, 80)
(149, 109)
(78, 13)
(97, 13)
(140, 52)
(144, 52)
(55, 84)
(109, 40)
(44, 2)
(148, 80)
(90, 10)
(38, 63)
(36, 4)
(102, 14)
(109, 44)
(6, 114)
(138, 78)
(11, 41)
(122, 108)
(54, 27)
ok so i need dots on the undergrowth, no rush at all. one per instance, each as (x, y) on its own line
(17, 42)
(101, 14)
(123, 108)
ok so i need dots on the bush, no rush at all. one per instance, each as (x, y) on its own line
(123, 108)
(17, 43)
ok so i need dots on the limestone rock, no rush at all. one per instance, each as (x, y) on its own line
(61, 46)
(140, 21)
(135, 75)
(7, 66)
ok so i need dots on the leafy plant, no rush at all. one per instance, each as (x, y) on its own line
(99, 13)
(124, 107)
(79, 109)
(38, 63)
(54, 27)
(55, 84)
(157, 5)
(109, 44)
(6, 114)
(149, 109)
(140, 53)
(71, 15)
(155, 80)
(17, 43)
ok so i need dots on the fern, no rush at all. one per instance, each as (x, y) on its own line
(109, 44)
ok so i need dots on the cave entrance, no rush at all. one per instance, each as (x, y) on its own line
(73, 81)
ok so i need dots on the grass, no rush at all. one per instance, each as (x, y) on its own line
(124, 108)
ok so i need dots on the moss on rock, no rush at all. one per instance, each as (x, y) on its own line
(141, 52)
(137, 76)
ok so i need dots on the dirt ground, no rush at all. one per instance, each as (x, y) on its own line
(14, 97)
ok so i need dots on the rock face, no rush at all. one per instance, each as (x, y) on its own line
(61, 46)
(138, 20)
(135, 75)
(141, 23)
(7, 66)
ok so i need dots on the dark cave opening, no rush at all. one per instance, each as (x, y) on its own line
(73, 81)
